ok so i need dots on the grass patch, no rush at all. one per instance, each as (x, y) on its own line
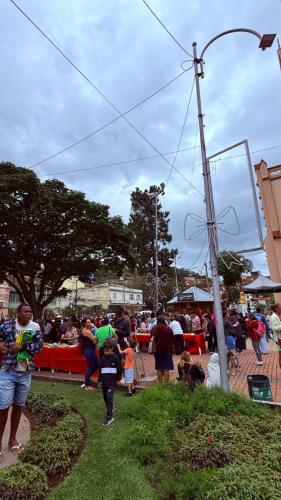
(167, 443)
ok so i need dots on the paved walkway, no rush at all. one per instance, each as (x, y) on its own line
(238, 381)
(8, 457)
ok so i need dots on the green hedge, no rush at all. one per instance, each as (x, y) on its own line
(23, 481)
(53, 449)
(47, 406)
(201, 444)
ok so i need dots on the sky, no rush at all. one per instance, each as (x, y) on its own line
(46, 105)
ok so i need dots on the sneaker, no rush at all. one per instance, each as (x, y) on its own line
(259, 363)
(128, 394)
(107, 421)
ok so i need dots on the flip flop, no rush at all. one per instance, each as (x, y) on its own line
(17, 448)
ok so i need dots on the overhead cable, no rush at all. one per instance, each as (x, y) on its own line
(91, 134)
(181, 134)
(166, 29)
(118, 163)
(103, 95)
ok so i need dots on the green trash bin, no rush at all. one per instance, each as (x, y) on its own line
(259, 387)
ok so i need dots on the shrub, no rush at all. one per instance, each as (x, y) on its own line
(22, 481)
(244, 482)
(190, 485)
(206, 458)
(52, 450)
(47, 406)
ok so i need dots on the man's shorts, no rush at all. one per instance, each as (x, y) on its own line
(129, 375)
(14, 388)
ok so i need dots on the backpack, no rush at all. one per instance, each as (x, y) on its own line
(261, 329)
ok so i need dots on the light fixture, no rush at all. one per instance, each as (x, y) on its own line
(267, 41)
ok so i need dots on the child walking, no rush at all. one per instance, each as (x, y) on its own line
(110, 373)
(128, 366)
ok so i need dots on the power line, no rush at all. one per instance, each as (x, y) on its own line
(181, 134)
(124, 162)
(166, 29)
(102, 94)
(76, 143)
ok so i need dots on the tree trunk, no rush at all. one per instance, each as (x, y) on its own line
(37, 310)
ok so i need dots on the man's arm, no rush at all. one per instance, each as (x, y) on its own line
(35, 345)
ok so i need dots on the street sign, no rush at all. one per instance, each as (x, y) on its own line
(185, 297)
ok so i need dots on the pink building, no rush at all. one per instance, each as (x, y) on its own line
(269, 183)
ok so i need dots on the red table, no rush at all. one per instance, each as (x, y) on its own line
(65, 359)
(194, 343)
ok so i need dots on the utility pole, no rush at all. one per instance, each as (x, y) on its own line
(266, 41)
(156, 279)
(207, 277)
(176, 276)
(76, 296)
(156, 256)
(212, 232)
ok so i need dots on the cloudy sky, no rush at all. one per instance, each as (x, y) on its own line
(46, 105)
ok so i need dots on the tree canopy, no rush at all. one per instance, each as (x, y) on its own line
(50, 232)
(231, 265)
(142, 226)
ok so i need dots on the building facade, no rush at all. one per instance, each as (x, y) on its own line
(269, 183)
(4, 300)
(105, 297)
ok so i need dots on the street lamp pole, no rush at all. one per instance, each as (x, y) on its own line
(265, 41)
(212, 232)
(156, 255)
(156, 279)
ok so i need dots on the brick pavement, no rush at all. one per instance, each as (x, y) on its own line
(238, 381)
(247, 360)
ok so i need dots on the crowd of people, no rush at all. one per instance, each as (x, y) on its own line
(108, 343)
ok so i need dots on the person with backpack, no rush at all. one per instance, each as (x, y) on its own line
(104, 332)
(263, 327)
(87, 345)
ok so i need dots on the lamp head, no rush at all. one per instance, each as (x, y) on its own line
(267, 41)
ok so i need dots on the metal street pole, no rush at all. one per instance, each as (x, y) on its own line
(176, 276)
(207, 277)
(212, 233)
(266, 41)
(156, 255)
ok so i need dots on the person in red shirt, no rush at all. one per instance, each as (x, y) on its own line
(252, 325)
(163, 339)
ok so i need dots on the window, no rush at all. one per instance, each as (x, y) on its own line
(138, 298)
(114, 295)
(132, 297)
(14, 298)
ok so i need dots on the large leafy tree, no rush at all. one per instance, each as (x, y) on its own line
(50, 232)
(231, 265)
(142, 226)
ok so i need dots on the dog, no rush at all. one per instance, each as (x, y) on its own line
(232, 363)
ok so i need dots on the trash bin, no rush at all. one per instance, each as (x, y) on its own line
(259, 387)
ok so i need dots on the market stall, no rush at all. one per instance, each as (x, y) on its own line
(66, 359)
(192, 299)
(194, 343)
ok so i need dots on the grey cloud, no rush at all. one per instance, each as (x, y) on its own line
(46, 105)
